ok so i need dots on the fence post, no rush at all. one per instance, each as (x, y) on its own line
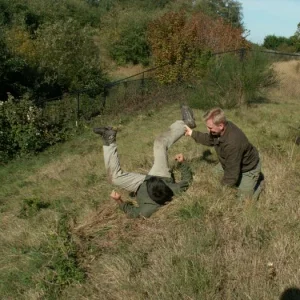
(143, 83)
(125, 84)
(105, 93)
(77, 109)
(242, 54)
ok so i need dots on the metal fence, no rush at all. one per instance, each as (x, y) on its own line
(78, 105)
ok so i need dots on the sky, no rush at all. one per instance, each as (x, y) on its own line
(268, 17)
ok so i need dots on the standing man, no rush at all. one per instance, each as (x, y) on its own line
(158, 187)
(238, 159)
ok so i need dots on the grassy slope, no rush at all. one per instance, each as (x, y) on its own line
(57, 219)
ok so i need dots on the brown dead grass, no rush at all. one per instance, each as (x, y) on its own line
(127, 71)
(289, 77)
(225, 250)
(247, 250)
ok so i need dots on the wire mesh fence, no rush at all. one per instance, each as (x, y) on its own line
(132, 92)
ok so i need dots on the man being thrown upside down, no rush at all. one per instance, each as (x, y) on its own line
(158, 187)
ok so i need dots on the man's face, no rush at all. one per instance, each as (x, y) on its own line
(214, 129)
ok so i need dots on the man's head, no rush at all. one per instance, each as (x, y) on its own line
(158, 191)
(215, 121)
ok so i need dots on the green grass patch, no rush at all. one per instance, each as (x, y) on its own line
(31, 207)
(73, 243)
(192, 211)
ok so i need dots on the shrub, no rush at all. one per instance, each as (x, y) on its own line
(171, 45)
(63, 266)
(132, 45)
(25, 128)
(178, 41)
(61, 57)
(273, 41)
(68, 56)
(257, 75)
(5, 14)
(229, 82)
(15, 73)
(21, 129)
(36, 12)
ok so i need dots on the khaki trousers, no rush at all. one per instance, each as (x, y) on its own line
(131, 181)
(250, 183)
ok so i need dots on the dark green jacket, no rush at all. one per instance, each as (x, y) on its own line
(236, 154)
(146, 206)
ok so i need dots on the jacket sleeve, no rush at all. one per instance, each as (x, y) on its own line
(232, 167)
(186, 178)
(202, 138)
(144, 210)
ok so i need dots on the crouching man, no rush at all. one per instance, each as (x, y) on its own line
(239, 161)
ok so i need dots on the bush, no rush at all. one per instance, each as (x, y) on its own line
(36, 12)
(63, 266)
(274, 42)
(5, 14)
(26, 129)
(257, 76)
(61, 57)
(178, 40)
(15, 73)
(230, 82)
(132, 45)
(68, 57)
(21, 128)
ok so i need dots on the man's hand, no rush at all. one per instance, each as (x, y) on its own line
(179, 157)
(116, 196)
(188, 131)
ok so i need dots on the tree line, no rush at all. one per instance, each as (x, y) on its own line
(51, 48)
(284, 44)
(48, 47)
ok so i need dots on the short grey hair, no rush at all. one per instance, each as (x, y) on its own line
(217, 115)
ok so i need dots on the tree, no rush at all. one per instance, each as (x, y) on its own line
(67, 57)
(273, 42)
(179, 41)
(229, 10)
(132, 45)
(15, 72)
(281, 43)
(171, 45)
(5, 12)
(295, 39)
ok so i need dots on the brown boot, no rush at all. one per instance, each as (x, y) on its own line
(107, 133)
(188, 116)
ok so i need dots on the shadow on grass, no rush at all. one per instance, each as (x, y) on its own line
(290, 294)
(205, 157)
(260, 100)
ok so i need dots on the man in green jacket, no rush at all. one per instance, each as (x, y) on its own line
(239, 160)
(158, 187)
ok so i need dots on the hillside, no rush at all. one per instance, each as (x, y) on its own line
(63, 238)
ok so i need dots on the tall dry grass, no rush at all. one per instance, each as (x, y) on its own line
(203, 245)
(289, 74)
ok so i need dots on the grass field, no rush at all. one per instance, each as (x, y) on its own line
(62, 237)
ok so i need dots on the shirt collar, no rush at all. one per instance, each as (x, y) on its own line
(223, 137)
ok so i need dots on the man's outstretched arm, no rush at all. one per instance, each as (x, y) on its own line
(146, 210)
(199, 137)
(186, 175)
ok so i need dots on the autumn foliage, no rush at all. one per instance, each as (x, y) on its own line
(178, 41)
